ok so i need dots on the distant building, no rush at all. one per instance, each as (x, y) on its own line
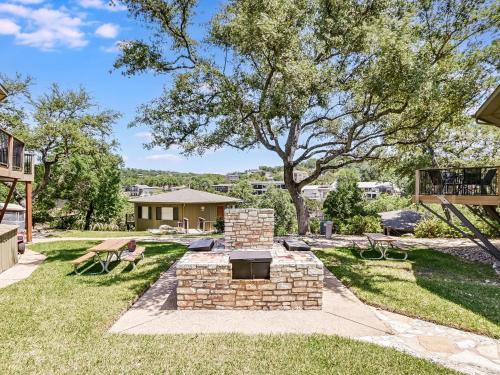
(317, 192)
(233, 177)
(372, 189)
(141, 190)
(299, 176)
(222, 188)
(259, 187)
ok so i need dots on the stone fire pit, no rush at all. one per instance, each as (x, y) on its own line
(207, 280)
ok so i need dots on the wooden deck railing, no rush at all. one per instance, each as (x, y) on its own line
(14, 161)
(462, 183)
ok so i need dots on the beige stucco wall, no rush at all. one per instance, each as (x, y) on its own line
(189, 211)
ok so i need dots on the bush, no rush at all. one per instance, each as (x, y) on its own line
(285, 217)
(219, 225)
(386, 202)
(347, 200)
(314, 225)
(434, 228)
(360, 224)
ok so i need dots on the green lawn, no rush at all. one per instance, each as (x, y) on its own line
(98, 234)
(430, 285)
(56, 323)
(122, 233)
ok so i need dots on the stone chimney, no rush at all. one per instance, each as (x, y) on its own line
(249, 228)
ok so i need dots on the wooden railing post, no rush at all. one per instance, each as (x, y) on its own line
(498, 184)
(417, 185)
(10, 152)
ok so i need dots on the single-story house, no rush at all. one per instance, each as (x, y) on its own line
(186, 208)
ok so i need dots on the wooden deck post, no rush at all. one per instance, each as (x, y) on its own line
(9, 196)
(10, 152)
(29, 212)
(417, 185)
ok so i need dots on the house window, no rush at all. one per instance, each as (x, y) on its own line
(144, 212)
(167, 213)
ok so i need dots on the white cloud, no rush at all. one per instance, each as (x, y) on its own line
(46, 28)
(102, 4)
(7, 27)
(107, 30)
(168, 157)
(28, 2)
(144, 135)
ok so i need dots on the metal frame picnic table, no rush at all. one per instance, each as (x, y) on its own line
(112, 247)
(384, 244)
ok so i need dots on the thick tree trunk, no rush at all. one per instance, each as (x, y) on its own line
(88, 216)
(298, 200)
(47, 169)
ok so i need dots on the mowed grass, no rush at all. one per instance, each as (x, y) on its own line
(430, 285)
(56, 323)
(121, 233)
(98, 234)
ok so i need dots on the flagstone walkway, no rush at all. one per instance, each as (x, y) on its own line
(343, 314)
(28, 262)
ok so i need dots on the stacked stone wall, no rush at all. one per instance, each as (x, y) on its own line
(248, 228)
(290, 287)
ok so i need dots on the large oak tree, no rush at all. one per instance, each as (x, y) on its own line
(337, 81)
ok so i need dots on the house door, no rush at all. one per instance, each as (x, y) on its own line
(220, 211)
(201, 223)
(185, 224)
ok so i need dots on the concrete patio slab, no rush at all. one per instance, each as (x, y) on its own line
(28, 262)
(343, 314)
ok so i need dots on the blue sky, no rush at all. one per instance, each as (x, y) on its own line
(73, 43)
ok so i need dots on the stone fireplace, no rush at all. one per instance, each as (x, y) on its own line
(249, 271)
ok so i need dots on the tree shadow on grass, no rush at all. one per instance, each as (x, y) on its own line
(158, 258)
(446, 276)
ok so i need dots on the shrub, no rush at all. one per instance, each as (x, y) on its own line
(347, 200)
(285, 219)
(386, 202)
(360, 224)
(434, 228)
(314, 225)
(219, 225)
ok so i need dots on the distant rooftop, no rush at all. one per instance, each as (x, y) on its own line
(186, 196)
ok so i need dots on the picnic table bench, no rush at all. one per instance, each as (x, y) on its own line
(113, 250)
(384, 244)
(131, 257)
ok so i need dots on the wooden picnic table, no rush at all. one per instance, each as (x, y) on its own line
(383, 243)
(112, 247)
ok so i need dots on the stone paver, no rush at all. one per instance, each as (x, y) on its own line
(462, 351)
(28, 262)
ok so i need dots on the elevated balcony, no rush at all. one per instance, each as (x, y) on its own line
(15, 163)
(470, 186)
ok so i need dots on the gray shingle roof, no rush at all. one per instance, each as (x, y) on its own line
(186, 196)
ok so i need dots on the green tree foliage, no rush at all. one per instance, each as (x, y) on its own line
(64, 123)
(386, 202)
(346, 200)
(337, 81)
(243, 190)
(359, 224)
(70, 136)
(284, 212)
